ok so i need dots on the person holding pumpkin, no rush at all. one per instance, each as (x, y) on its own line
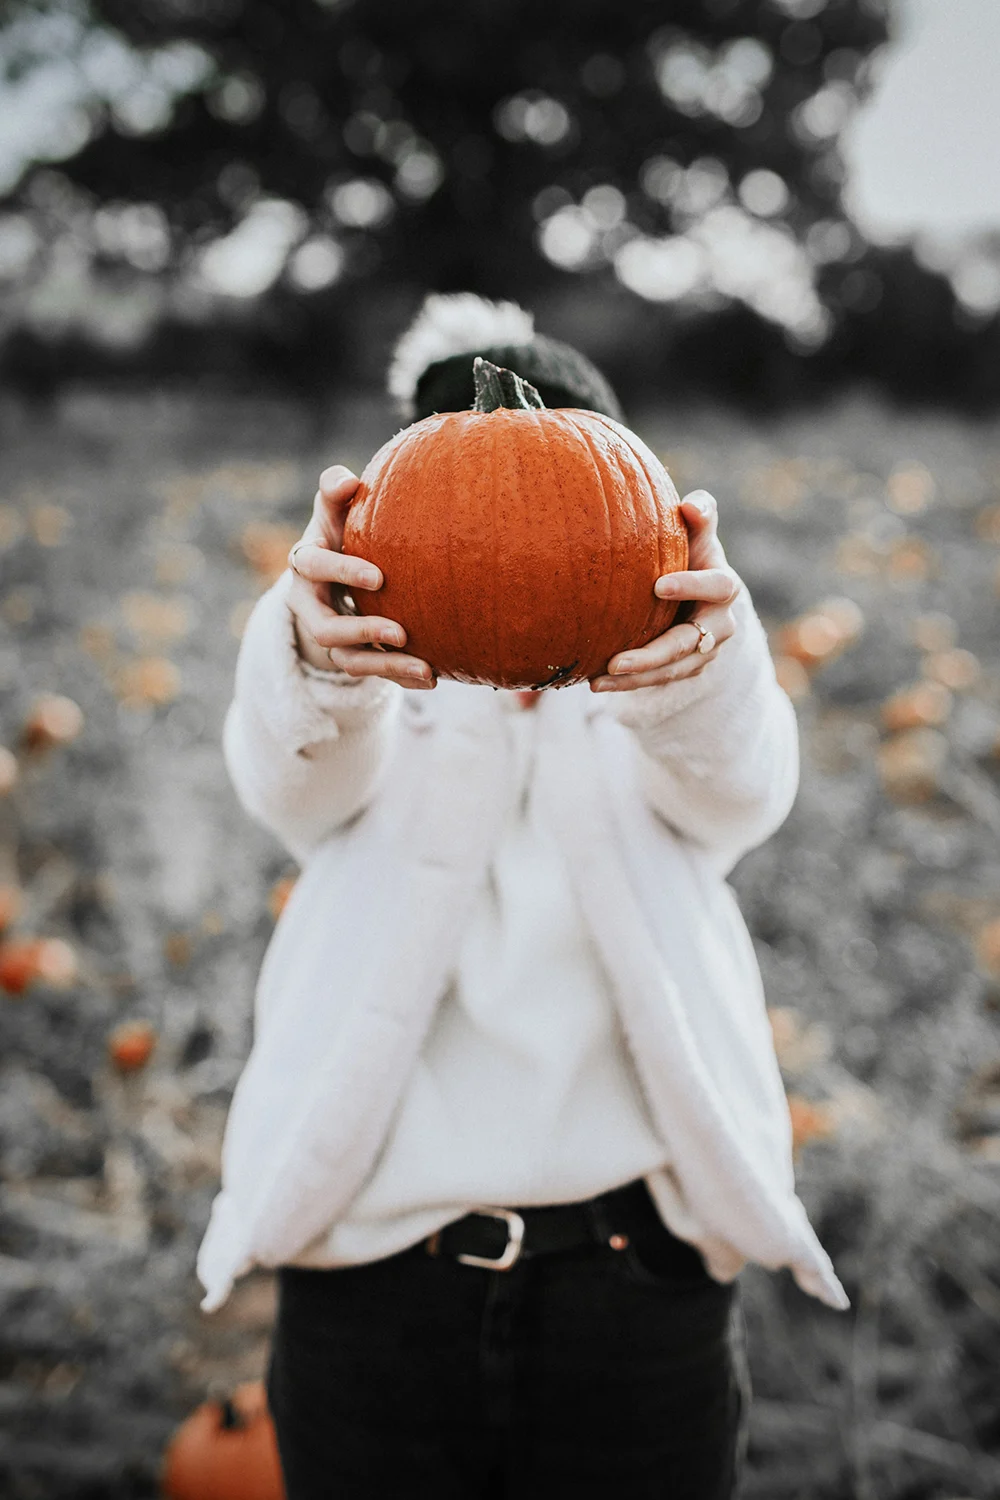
(512, 1122)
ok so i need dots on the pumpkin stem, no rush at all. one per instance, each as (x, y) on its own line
(497, 388)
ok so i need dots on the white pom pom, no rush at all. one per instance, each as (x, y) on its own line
(453, 323)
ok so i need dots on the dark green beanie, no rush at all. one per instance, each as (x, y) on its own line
(561, 375)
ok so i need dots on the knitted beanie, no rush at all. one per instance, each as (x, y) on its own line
(431, 367)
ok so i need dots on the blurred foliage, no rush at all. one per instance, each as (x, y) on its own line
(422, 135)
(270, 187)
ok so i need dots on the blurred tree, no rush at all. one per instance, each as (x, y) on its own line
(500, 147)
(276, 168)
(441, 134)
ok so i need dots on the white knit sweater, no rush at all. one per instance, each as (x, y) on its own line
(394, 803)
(523, 1092)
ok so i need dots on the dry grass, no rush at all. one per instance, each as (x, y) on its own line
(135, 534)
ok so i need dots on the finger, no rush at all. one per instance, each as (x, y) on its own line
(317, 563)
(337, 488)
(337, 485)
(700, 508)
(328, 628)
(691, 665)
(395, 666)
(674, 644)
(711, 585)
(715, 620)
(701, 515)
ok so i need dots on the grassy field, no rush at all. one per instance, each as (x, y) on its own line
(135, 533)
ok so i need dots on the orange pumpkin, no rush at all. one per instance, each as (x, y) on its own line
(810, 1122)
(925, 705)
(988, 947)
(822, 633)
(28, 961)
(131, 1045)
(279, 893)
(518, 546)
(18, 967)
(225, 1450)
(52, 720)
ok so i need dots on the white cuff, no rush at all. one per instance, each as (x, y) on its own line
(734, 670)
(302, 705)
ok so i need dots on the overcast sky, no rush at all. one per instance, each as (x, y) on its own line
(924, 155)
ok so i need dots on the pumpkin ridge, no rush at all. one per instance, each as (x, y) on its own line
(385, 488)
(609, 530)
(572, 431)
(665, 564)
(554, 479)
(655, 607)
(494, 436)
(372, 501)
(512, 487)
(639, 467)
(454, 615)
(436, 622)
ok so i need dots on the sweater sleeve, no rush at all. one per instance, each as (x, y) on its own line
(719, 752)
(304, 749)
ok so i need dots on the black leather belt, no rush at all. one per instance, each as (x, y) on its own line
(497, 1238)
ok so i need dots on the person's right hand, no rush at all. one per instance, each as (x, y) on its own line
(330, 637)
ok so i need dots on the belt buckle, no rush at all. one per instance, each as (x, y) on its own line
(511, 1252)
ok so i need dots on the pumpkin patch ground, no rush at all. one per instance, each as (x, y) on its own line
(139, 900)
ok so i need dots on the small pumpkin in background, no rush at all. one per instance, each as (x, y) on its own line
(18, 967)
(225, 1450)
(810, 1122)
(52, 721)
(988, 947)
(925, 705)
(277, 896)
(518, 545)
(28, 961)
(821, 634)
(131, 1044)
(910, 764)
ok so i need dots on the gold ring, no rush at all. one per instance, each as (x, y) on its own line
(706, 642)
(291, 556)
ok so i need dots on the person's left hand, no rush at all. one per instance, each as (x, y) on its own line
(684, 650)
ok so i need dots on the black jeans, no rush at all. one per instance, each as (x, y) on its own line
(582, 1374)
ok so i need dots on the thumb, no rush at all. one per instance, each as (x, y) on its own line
(701, 514)
(337, 488)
